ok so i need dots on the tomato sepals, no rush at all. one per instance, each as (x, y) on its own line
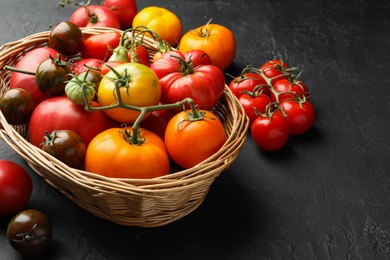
(79, 89)
(29, 236)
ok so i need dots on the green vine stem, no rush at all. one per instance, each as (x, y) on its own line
(135, 136)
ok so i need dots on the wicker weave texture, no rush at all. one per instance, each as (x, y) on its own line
(131, 202)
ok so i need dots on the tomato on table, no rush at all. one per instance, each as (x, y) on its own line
(254, 103)
(270, 131)
(94, 16)
(247, 82)
(125, 10)
(300, 115)
(216, 40)
(15, 187)
(113, 154)
(192, 137)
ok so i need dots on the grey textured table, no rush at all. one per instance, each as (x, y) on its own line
(326, 195)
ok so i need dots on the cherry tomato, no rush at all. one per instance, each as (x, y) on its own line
(66, 38)
(180, 79)
(125, 10)
(65, 145)
(94, 16)
(15, 187)
(275, 70)
(142, 88)
(112, 154)
(17, 106)
(161, 20)
(270, 132)
(216, 40)
(60, 113)
(30, 62)
(247, 82)
(253, 104)
(192, 139)
(29, 232)
(99, 46)
(300, 115)
(289, 89)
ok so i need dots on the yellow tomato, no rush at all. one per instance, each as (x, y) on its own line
(216, 40)
(164, 22)
(142, 88)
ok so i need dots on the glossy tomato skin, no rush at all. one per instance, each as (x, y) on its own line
(60, 113)
(247, 83)
(17, 105)
(29, 232)
(289, 89)
(125, 10)
(216, 40)
(52, 75)
(94, 16)
(191, 142)
(15, 187)
(143, 89)
(82, 65)
(111, 155)
(30, 62)
(66, 38)
(98, 46)
(254, 104)
(179, 79)
(270, 132)
(300, 115)
(65, 145)
(275, 70)
(142, 55)
(161, 20)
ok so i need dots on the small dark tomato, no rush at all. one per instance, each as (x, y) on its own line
(66, 37)
(29, 232)
(17, 106)
(93, 76)
(51, 76)
(65, 145)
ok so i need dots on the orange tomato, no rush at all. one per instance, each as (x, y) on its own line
(216, 40)
(111, 154)
(142, 89)
(164, 22)
(191, 142)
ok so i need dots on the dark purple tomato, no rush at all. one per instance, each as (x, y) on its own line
(66, 146)
(67, 38)
(17, 106)
(29, 232)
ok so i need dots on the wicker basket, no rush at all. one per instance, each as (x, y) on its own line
(131, 202)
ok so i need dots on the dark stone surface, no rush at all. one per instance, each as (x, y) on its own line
(326, 195)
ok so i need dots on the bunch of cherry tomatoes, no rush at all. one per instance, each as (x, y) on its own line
(276, 101)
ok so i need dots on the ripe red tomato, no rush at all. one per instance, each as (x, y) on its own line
(300, 115)
(289, 89)
(247, 82)
(82, 65)
(98, 46)
(141, 55)
(270, 132)
(30, 62)
(191, 141)
(275, 70)
(59, 113)
(94, 16)
(180, 79)
(112, 154)
(15, 187)
(254, 104)
(125, 10)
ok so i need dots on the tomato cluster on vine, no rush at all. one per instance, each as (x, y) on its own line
(276, 101)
